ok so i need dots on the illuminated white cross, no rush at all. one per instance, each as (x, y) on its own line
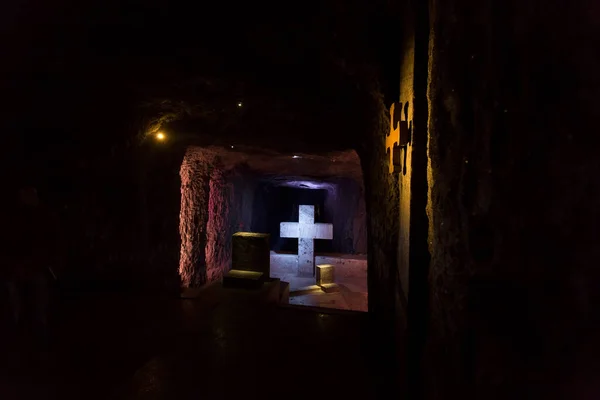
(306, 231)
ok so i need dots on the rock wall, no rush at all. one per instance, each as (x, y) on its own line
(359, 226)
(387, 309)
(158, 222)
(406, 100)
(220, 225)
(216, 202)
(118, 214)
(194, 216)
(346, 207)
(99, 205)
(119, 218)
(414, 223)
(514, 194)
(244, 183)
(381, 199)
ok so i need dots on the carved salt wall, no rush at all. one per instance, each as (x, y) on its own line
(513, 201)
(193, 217)
(219, 226)
(345, 207)
(381, 198)
(216, 202)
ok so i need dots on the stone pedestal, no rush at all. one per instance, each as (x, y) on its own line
(325, 274)
(251, 252)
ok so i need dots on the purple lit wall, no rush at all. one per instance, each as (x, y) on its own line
(214, 205)
(193, 218)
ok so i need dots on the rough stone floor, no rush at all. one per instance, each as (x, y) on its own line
(350, 275)
(141, 347)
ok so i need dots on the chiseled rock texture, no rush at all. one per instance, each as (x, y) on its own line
(514, 195)
(207, 218)
(193, 217)
(346, 203)
(381, 199)
(219, 227)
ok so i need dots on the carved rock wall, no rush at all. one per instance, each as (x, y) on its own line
(346, 207)
(194, 216)
(215, 203)
(514, 195)
(220, 225)
(381, 199)
(406, 102)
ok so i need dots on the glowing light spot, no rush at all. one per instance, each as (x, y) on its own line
(232, 147)
(239, 104)
(296, 157)
(160, 136)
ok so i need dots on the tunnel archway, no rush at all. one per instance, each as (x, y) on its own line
(245, 189)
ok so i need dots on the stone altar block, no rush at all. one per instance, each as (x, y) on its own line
(251, 252)
(306, 231)
(325, 274)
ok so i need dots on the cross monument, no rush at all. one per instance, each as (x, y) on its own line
(306, 231)
(396, 138)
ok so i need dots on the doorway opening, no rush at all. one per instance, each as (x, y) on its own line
(312, 207)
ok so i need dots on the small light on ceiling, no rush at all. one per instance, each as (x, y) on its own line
(232, 147)
(239, 104)
(296, 157)
(160, 136)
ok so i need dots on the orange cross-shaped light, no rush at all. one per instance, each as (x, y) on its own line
(392, 140)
